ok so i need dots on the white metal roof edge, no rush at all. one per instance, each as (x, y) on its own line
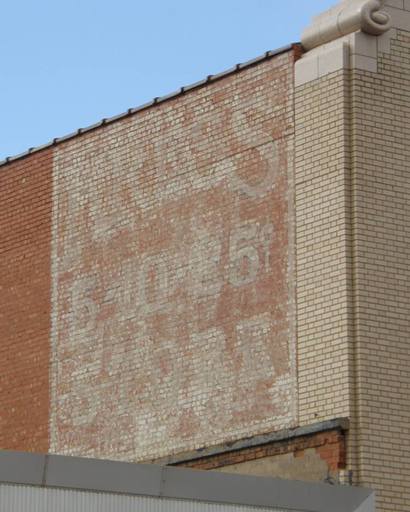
(179, 483)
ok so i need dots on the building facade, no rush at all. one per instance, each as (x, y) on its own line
(219, 279)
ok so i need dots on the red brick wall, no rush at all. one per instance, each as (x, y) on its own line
(330, 446)
(25, 229)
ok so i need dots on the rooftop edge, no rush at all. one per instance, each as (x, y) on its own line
(93, 475)
(155, 101)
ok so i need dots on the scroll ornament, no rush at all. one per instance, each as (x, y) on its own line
(347, 17)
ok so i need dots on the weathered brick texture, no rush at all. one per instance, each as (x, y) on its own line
(172, 303)
(328, 446)
(25, 232)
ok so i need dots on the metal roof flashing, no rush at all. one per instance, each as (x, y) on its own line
(156, 101)
(20, 472)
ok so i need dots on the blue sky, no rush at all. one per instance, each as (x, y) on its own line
(65, 65)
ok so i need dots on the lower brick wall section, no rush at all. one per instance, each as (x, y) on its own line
(316, 457)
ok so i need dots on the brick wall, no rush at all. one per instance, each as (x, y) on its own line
(381, 155)
(323, 247)
(352, 214)
(148, 270)
(172, 271)
(25, 232)
(316, 457)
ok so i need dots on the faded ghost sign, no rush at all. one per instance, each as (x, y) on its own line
(172, 273)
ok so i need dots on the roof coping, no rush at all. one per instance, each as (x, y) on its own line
(149, 104)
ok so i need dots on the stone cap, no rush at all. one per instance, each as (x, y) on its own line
(348, 16)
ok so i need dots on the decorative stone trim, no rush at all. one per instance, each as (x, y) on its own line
(347, 17)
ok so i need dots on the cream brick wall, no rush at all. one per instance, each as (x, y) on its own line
(381, 182)
(352, 244)
(323, 242)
